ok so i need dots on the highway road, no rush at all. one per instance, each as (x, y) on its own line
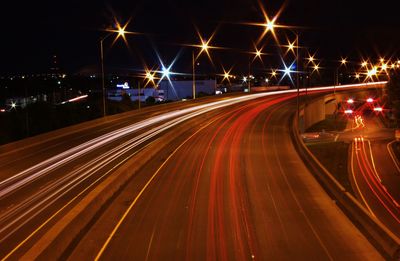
(217, 180)
(374, 172)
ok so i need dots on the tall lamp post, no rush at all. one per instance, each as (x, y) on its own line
(194, 75)
(343, 61)
(257, 54)
(291, 46)
(297, 74)
(121, 33)
(203, 48)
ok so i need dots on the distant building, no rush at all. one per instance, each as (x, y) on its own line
(117, 94)
(177, 90)
(24, 101)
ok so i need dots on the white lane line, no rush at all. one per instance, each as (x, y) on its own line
(108, 157)
(355, 151)
(43, 168)
(59, 160)
(394, 158)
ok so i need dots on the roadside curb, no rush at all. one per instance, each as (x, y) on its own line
(393, 155)
(376, 232)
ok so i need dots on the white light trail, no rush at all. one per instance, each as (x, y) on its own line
(43, 198)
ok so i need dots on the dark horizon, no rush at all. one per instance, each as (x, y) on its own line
(71, 30)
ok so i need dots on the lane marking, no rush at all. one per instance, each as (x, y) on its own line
(373, 161)
(100, 253)
(355, 179)
(391, 153)
(295, 198)
(172, 123)
(380, 180)
(61, 209)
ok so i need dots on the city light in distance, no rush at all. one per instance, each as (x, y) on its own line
(311, 58)
(350, 101)
(372, 72)
(270, 25)
(149, 76)
(226, 75)
(291, 46)
(370, 100)
(165, 72)
(348, 111)
(204, 46)
(121, 31)
(316, 68)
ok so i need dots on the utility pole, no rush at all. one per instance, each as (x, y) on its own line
(139, 94)
(249, 78)
(102, 75)
(194, 75)
(297, 75)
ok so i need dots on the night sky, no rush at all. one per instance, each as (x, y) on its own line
(33, 31)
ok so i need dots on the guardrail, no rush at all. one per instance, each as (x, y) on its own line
(376, 232)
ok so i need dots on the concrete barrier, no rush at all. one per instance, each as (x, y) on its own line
(376, 232)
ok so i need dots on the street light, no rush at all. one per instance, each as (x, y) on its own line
(298, 70)
(257, 54)
(364, 64)
(343, 62)
(226, 75)
(204, 47)
(120, 33)
(291, 46)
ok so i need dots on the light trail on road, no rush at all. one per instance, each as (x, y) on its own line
(365, 172)
(22, 212)
(42, 199)
(222, 196)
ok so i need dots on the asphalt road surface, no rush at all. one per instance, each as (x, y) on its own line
(227, 184)
(235, 189)
(375, 175)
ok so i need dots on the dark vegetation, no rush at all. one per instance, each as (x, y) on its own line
(41, 117)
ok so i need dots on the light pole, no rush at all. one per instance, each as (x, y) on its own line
(249, 77)
(204, 47)
(194, 75)
(297, 74)
(121, 32)
(257, 54)
(291, 47)
(102, 72)
(297, 46)
(343, 61)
